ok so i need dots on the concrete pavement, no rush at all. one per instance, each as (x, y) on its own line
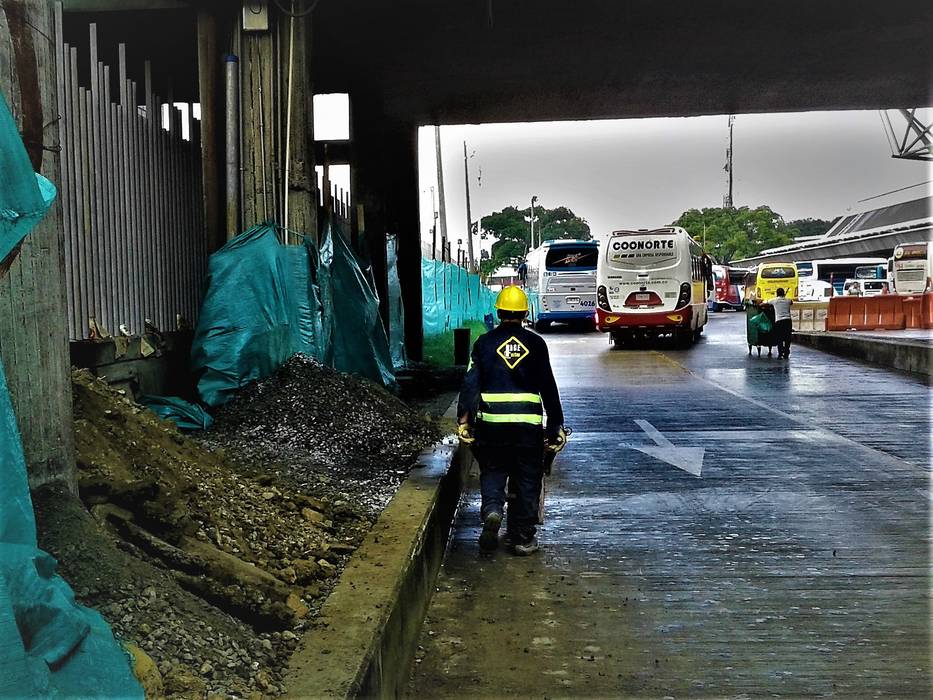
(795, 565)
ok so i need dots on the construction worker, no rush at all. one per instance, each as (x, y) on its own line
(508, 387)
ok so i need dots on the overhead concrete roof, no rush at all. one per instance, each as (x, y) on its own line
(455, 61)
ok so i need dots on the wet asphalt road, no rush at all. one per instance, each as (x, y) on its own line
(796, 565)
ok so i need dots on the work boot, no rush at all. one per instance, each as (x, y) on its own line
(489, 537)
(526, 547)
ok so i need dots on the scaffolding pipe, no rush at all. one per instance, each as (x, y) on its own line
(288, 116)
(232, 83)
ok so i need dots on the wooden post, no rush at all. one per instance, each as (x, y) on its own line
(209, 63)
(259, 121)
(33, 320)
(302, 206)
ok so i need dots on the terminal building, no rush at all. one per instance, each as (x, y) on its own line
(873, 230)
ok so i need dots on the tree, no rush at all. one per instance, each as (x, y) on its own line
(733, 234)
(511, 228)
(811, 227)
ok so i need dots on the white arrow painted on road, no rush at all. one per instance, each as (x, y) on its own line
(690, 459)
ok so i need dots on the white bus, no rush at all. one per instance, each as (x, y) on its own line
(835, 271)
(913, 268)
(652, 283)
(560, 280)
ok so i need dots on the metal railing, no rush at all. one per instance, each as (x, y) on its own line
(135, 247)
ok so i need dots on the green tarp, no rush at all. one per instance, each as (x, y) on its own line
(396, 309)
(450, 295)
(49, 645)
(256, 313)
(184, 414)
(266, 301)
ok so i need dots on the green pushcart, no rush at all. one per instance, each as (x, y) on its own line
(759, 327)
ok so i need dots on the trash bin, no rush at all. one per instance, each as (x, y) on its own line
(461, 346)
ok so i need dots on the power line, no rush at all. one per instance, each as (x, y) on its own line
(899, 189)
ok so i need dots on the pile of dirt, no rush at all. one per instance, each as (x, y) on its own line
(232, 563)
(326, 432)
(196, 647)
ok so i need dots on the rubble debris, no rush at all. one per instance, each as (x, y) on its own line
(328, 433)
(209, 554)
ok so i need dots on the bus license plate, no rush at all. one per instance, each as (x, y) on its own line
(572, 300)
(642, 297)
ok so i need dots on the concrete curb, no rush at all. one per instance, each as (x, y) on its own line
(904, 354)
(364, 641)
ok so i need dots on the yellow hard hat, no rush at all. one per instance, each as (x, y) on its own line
(512, 299)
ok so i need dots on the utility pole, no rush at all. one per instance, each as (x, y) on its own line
(728, 201)
(434, 227)
(466, 176)
(441, 203)
(533, 200)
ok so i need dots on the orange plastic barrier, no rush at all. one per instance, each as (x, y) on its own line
(926, 310)
(892, 313)
(868, 313)
(912, 311)
(839, 316)
(872, 319)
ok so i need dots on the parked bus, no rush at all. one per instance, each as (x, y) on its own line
(913, 268)
(835, 271)
(560, 279)
(652, 283)
(727, 287)
(771, 276)
(871, 272)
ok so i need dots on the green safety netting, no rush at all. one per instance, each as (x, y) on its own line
(396, 310)
(450, 295)
(266, 301)
(49, 645)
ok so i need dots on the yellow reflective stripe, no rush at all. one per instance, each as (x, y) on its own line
(506, 397)
(532, 418)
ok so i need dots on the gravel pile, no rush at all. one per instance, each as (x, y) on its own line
(331, 434)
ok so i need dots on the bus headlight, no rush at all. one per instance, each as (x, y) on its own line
(684, 297)
(602, 299)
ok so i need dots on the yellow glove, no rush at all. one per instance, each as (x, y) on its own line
(560, 442)
(465, 433)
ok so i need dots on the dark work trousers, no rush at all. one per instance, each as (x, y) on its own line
(518, 469)
(782, 334)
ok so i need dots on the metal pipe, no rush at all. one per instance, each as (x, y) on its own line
(288, 118)
(232, 84)
(262, 137)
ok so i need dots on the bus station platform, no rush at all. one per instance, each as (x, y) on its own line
(721, 525)
(908, 350)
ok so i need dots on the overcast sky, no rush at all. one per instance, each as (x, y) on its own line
(643, 173)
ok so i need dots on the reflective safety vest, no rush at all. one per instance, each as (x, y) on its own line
(510, 407)
(509, 387)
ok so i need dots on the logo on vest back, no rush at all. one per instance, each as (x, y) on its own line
(512, 351)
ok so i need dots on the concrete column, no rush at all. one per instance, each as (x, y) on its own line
(370, 170)
(33, 325)
(403, 218)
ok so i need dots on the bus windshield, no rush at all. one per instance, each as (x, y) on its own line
(737, 276)
(647, 251)
(563, 257)
(805, 269)
(775, 273)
